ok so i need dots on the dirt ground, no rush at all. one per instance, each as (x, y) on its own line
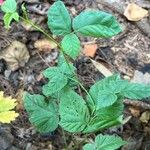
(128, 53)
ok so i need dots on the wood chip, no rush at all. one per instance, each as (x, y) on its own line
(90, 50)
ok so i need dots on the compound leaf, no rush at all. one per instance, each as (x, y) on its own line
(59, 20)
(43, 114)
(96, 24)
(9, 6)
(71, 45)
(8, 17)
(73, 112)
(6, 105)
(105, 142)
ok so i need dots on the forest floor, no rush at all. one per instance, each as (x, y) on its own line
(127, 53)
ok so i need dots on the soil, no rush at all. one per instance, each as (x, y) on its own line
(126, 53)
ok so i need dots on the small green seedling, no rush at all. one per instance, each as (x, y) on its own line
(60, 105)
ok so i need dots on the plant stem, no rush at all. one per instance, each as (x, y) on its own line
(41, 30)
(27, 20)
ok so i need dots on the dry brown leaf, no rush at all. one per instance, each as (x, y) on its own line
(16, 55)
(134, 12)
(90, 50)
(45, 45)
(134, 111)
(102, 69)
(145, 117)
(140, 77)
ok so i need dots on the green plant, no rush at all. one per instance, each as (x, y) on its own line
(102, 107)
(105, 142)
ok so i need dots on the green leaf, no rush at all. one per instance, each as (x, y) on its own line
(67, 69)
(56, 83)
(51, 72)
(73, 112)
(9, 6)
(110, 84)
(105, 142)
(8, 17)
(59, 20)
(106, 117)
(106, 98)
(43, 114)
(136, 91)
(96, 24)
(71, 45)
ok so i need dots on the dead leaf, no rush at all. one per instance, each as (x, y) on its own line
(140, 77)
(134, 111)
(45, 45)
(16, 55)
(90, 50)
(134, 12)
(102, 69)
(145, 117)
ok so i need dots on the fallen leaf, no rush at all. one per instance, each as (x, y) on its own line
(16, 55)
(134, 12)
(102, 69)
(90, 50)
(134, 111)
(145, 117)
(45, 45)
(140, 77)
(6, 105)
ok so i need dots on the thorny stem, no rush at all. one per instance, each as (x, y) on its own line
(28, 21)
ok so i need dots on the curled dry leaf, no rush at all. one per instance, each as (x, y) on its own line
(145, 117)
(134, 111)
(134, 12)
(102, 69)
(16, 55)
(44, 45)
(140, 77)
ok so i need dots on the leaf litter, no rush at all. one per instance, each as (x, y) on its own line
(123, 51)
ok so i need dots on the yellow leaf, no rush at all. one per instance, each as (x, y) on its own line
(8, 116)
(134, 12)
(6, 105)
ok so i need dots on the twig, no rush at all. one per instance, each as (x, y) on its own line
(138, 104)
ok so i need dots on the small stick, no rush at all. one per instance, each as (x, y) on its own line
(138, 104)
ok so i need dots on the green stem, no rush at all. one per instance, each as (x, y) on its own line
(27, 20)
(83, 88)
(41, 30)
